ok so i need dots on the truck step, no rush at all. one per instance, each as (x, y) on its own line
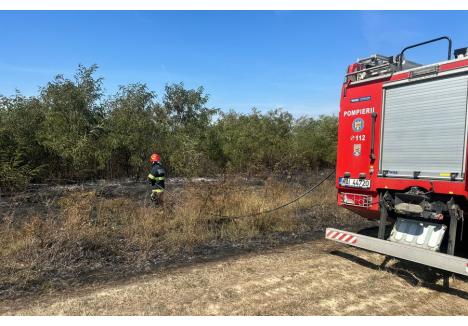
(399, 250)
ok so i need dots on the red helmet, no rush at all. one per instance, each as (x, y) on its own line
(155, 158)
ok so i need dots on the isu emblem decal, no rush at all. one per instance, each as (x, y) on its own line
(357, 150)
(358, 124)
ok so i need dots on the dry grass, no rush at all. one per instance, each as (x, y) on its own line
(314, 278)
(94, 237)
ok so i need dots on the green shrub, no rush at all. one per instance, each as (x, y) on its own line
(72, 131)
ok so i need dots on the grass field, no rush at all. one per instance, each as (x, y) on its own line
(90, 235)
(316, 277)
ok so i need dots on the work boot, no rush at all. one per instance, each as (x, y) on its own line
(156, 198)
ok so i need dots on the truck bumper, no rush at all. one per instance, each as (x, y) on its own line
(422, 256)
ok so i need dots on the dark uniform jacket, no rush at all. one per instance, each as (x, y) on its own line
(157, 176)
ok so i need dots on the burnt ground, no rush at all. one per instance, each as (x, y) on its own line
(43, 201)
(282, 274)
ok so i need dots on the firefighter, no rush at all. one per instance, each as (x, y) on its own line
(156, 177)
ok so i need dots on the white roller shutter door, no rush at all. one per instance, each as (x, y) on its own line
(424, 129)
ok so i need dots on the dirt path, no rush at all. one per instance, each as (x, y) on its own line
(315, 278)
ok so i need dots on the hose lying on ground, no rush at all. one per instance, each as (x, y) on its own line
(282, 205)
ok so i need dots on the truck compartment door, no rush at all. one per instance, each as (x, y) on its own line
(424, 129)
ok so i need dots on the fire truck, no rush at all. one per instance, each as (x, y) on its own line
(402, 156)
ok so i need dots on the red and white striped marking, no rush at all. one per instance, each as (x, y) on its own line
(343, 237)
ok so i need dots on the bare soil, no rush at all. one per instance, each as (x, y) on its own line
(318, 277)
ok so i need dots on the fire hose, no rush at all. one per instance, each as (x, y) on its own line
(266, 211)
(270, 210)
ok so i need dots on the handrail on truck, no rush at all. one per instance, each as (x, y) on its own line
(449, 56)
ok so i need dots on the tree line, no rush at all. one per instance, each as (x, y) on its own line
(72, 131)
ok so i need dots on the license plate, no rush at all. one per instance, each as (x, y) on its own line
(354, 183)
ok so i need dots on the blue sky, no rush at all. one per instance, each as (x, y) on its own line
(267, 59)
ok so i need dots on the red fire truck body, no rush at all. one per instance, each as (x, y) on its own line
(358, 101)
(402, 156)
